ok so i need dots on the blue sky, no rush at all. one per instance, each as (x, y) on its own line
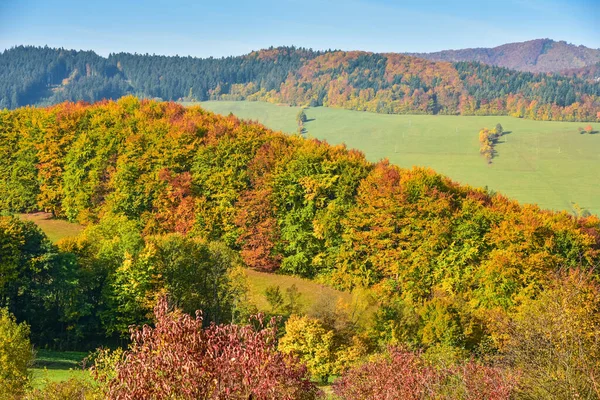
(221, 27)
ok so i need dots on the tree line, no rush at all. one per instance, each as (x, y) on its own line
(383, 83)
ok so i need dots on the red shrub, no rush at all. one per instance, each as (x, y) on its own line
(482, 382)
(180, 359)
(405, 375)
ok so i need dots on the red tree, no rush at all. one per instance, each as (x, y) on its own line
(175, 205)
(180, 359)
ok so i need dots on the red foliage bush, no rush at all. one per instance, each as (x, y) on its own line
(405, 375)
(178, 359)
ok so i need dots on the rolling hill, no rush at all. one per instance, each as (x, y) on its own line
(544, 163)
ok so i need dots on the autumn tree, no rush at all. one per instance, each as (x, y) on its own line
(554, 339)
(221, 362)
(400, 374)
(307, 339)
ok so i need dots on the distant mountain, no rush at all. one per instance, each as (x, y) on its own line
(357, 80)
(540, 55)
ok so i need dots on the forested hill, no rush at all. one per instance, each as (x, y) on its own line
(34, 75)
(385, 83)
(444, 258)
(540, 55)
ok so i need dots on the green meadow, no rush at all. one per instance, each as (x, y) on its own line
(547, 163)
(57, 366)
(55, 229)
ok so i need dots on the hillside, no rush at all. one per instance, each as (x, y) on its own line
(546, 163)
(383, 83)
(540, 55)
(591, 72)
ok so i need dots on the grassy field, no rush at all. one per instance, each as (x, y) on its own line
(548, 163)
(55, 366)
(55, 229)
(309, 291)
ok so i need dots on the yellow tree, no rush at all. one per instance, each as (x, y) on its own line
(307, 339)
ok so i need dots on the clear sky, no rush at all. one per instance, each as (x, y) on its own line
(232, 27)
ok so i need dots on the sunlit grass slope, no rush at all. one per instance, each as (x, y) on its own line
(55, 229)
(548, 163)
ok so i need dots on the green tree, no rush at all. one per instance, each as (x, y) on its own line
(39, 283)
(194, 274)
(499, 130)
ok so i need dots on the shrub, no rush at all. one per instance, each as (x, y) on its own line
(554, 340)
(15, 354)
(307, 339)
(72, 389)
(405, 375)
(178, 359)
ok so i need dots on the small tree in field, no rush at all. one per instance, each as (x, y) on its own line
(499, 130)
(178, 359)
(15, 355)
(588, 129)
(301, 117)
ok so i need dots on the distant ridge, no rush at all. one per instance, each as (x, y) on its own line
(540, 55)
(384, 83)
